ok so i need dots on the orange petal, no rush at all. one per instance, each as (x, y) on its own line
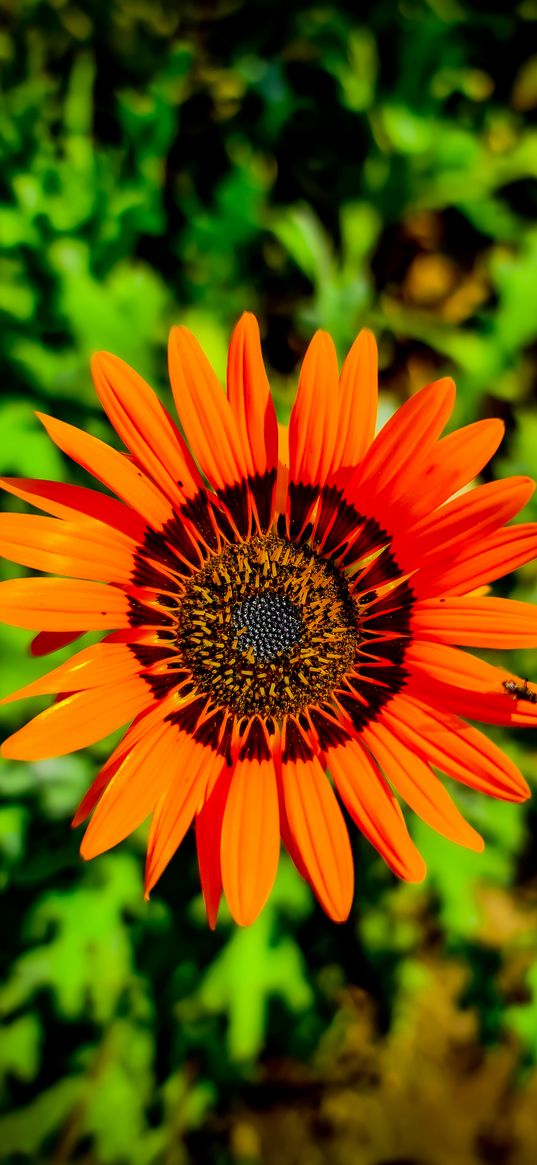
(100, 664)
(476, 622)
(250, 398)
(194, 766)
(286, 834)
(83, 549)
(145, 724)
(77, 721)
(250, 845)
(314, 418)
(136, 785)
(317, 825)
(358, 393)
(252, 406)
(416, 783)
(97, 787)
(145, 428)
(454, 747)
(57, 604)
(374, 809)
(283, 446)
(208, 839)
(114, 469)
(76, 501)
(204, 410)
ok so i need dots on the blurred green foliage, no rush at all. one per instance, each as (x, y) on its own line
(323, 165)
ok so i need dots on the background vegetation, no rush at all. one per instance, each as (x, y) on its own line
(330, 165)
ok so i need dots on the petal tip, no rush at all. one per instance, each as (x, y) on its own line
(244, 916)
(10, 751)
(248, 318)
(339, 914)
(416, 872)
(101, 361)
(367, 340)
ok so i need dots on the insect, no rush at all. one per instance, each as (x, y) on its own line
(520, 691)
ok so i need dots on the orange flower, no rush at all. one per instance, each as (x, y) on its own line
(269, 622)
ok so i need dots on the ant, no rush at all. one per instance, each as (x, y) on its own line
(520, 691)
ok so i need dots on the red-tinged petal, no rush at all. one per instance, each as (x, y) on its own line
(146, 428)
(451, 464)
(416, 783)
(57, 604)
(114, 469)
(358, 393)
(47, 642)
(373, 808)
(451, 666)
(84, 549)
(486, 707)
(316, 824)
(455, 461)
(100, 664)
(77, 721)
(454, 747)
(461, 523)
(399, 449)
(208, 839)
(194, 766)
(494, 555)
(313, 422)
(250, 844)
(76, 502)
(448, 665)
(205, 410)
(475, 622)
(458, 682)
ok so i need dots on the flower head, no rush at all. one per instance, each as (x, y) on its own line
(281, 613)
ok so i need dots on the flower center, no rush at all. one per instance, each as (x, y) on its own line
(268, 622)
(267, 627)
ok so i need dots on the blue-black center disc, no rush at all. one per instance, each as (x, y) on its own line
(268, 623)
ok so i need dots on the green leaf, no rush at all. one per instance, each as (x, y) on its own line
(255, 965)
(20, 1049)
(25, 1129)
(25, 449)
(81, 950)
